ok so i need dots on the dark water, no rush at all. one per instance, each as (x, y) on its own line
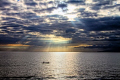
(59, 66)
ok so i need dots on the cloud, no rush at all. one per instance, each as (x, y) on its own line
(4, 3)
(33, 22)
(30, 3)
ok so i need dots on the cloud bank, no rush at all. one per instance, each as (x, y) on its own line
(60, 25)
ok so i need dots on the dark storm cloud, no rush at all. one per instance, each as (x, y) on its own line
(101, 24)
(108, 7)
(4, 3)
(62, 5)
(31, 22)
(30, 2)
(111, 46)
(38, 29)
(75, 1)
(42, 10)
(88, 14)
(8, 24)
(8, 40)
(70, 31)
(102, 3)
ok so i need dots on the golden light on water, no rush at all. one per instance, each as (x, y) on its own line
(60, 53)
(63, 64)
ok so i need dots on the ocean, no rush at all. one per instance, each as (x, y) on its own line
(59, 66)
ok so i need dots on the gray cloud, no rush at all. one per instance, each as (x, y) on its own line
(30, 21)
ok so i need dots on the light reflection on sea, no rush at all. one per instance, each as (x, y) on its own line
(59, 65)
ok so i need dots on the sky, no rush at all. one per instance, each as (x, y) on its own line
(60, 25)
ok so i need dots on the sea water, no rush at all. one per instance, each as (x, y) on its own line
(59, 66)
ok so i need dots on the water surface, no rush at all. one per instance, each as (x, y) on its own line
(59, 65)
